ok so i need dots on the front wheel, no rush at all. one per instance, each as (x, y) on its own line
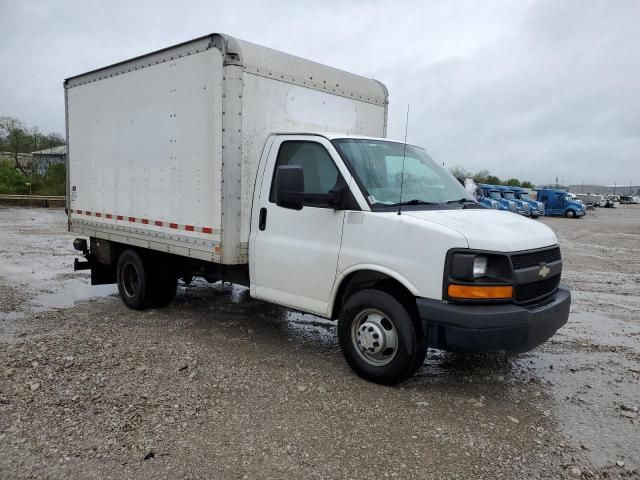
(379, 338)
(570, 214)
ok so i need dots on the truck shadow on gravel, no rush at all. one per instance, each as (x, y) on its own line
(231, 308)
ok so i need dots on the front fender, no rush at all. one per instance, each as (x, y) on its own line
(372, 268)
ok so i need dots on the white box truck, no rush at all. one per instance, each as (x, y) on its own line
(233, 162)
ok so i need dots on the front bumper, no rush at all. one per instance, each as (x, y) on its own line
(494, 328)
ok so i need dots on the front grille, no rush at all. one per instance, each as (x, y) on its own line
(530, 291)
(521, 261)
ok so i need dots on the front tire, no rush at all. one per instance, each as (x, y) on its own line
(570, 214)
(379, 338)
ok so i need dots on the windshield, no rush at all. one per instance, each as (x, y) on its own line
(525, 196)
(378, 167)
(508, 195)
(495, 195)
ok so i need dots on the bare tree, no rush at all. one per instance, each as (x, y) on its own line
(459, 172)
(481, 176)
(17, 137)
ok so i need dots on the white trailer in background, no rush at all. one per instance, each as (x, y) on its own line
(211, 158)
(591, 199)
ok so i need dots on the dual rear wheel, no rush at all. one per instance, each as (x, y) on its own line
(145, 281)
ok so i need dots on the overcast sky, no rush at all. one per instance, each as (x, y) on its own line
(526, 89)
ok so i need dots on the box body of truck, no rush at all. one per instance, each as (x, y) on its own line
(163, 149)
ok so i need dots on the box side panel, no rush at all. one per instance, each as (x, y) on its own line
(145, 153)
(272, 106)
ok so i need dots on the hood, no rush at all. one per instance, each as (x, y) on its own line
(488, 229)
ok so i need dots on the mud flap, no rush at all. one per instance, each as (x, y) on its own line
(102, 274)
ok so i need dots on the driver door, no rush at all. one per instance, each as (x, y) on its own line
(294, 253)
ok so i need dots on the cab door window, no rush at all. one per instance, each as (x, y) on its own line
(320, 172)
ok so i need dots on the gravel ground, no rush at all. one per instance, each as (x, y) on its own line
(222, 386)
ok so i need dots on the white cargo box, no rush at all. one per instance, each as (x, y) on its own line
(163, 149)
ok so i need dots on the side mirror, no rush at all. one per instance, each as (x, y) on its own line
(290, 187)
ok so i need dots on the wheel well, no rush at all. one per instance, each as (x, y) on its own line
(363, 279)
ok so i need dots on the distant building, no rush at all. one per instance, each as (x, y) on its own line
(606, 189)
(24, 159)
(43, 159)
(38, 162)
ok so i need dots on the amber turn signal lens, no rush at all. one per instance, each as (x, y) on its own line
(479, 291)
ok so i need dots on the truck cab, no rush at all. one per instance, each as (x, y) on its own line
(522, 207)
(493, 194)
(535, 208)
(558, 203)
(488, 202)
(327, 213)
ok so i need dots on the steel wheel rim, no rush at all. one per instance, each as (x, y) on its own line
(130, 280)
(374, 337)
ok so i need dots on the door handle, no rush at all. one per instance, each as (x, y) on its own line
(262, 220)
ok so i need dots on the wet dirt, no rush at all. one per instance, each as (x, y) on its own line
(219, 385)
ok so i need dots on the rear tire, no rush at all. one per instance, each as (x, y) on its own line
(379, 338)
(132, 279)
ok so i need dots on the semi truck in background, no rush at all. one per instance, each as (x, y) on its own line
(212, 159)
(558, 203)
(522, 207)
(489, 192)
(535, 208)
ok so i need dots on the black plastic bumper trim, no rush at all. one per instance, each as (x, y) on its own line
(485, 328)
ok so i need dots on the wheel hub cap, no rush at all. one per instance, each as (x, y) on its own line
(375, 337)
(371, 338)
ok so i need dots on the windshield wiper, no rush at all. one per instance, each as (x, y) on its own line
(463, 201)
(415, 201)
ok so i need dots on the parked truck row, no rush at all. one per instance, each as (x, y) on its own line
(549, 202)
(221, 159)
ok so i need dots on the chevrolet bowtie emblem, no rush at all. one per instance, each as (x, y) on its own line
(544, 271)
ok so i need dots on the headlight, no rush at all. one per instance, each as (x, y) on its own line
(512, 206)
(479, 266)
(478, 275)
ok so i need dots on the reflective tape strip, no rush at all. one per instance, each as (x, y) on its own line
(146, 221)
